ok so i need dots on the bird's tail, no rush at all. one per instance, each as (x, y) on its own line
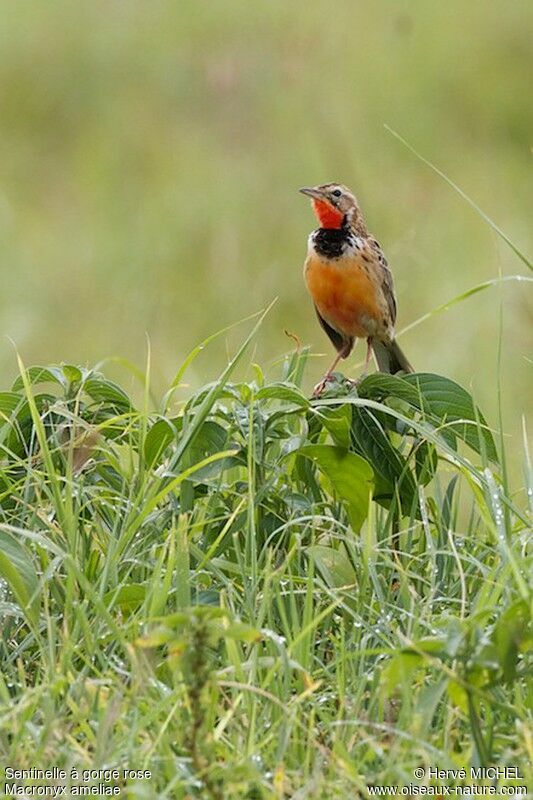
(390, 357)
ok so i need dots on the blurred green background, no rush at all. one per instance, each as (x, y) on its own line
(151, 153)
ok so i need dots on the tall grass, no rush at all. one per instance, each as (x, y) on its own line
(207, 590)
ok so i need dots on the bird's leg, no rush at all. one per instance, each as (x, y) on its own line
(319, 388)
(367, 362)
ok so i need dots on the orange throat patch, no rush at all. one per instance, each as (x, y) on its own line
(327, 215)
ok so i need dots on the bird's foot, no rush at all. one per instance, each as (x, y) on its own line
(320, 387)
(352, 383)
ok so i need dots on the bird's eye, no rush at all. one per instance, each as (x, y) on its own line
(336, 193)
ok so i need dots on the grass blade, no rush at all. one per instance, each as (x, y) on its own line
(463, 194)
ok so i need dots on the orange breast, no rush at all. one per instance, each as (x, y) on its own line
(346, 293)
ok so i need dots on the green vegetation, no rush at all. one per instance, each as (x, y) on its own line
(250, 593)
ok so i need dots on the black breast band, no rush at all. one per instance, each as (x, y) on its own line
(330, 242)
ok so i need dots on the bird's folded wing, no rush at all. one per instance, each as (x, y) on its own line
(340, 342)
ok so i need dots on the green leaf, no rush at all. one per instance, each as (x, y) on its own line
(212, 438)
(378, 385)
(450, 403)
(280, 391)
(17, 568)
(128, 597)
(295, 363)
(8, 494)
(72, 373)
(512, 634)
(350, 475)
(401, 671)
(21, 428)
(102, 390)
(334, 565)
(338, 423)
(40, 375)
(426, 462)
(372, 442)
(458, 696)
(428, 700)
(160, 435)
(441, 400)
(9, 401)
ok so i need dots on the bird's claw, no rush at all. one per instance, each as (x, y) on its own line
(319, 388)
(351, 383)
(355, 382)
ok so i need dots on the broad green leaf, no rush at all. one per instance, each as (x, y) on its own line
(280, 391)
(378, 385)
(450, 403)
(208, 597)
(160, 435)
(72, 373)
(391, 469)
(21, 426)
(40, 375)
(334, 565)
(350, 475)
(128, 597)
(103, 390)
(9, 401)
(212, 438)
(18, 570)
(338, 423)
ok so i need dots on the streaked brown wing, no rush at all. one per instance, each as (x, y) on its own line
(388, 291)
(341, 343)
(387, 281)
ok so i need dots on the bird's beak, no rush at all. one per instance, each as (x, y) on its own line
(311, 192)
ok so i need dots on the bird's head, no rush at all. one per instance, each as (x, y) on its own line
(333, 204)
